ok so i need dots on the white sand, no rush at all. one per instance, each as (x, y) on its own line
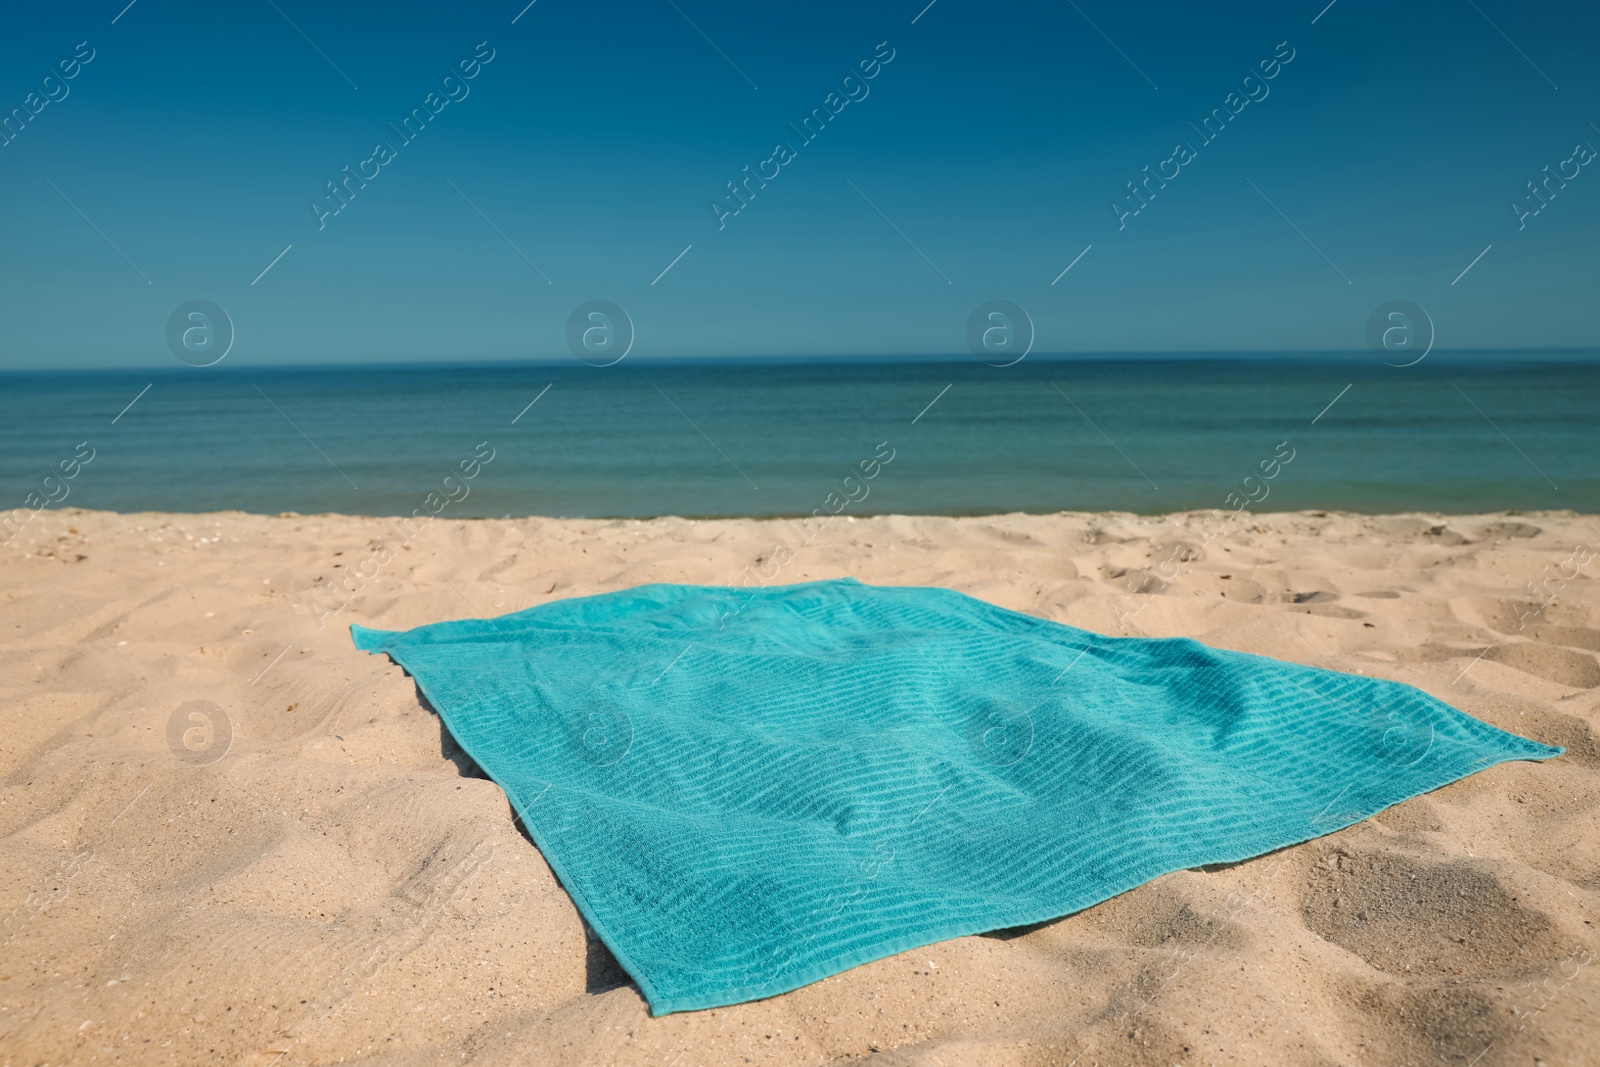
(343, 886)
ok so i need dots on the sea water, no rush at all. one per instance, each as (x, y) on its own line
(1459, 432)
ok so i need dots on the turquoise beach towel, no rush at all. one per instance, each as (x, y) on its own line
(745, 791)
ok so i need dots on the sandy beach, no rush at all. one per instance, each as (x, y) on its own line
(230, 837)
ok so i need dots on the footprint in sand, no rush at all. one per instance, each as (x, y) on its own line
(1413, 918)
(1563, 666)
(1508, 530)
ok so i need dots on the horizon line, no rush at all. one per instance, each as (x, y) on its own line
(1186, 355)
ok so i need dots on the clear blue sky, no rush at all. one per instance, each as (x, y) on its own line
(981, 161)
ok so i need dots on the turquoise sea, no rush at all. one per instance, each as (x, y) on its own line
(1458, 432)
